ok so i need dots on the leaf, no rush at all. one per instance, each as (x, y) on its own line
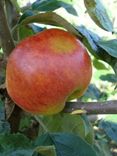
(102, 148)
(109, 77)
(36, 28)
(25, 31)
(69, 8)
(52, 5)
(66, 144)
(46, 5)
(26, 14)
(43, 140)
(46, 150)
(109, 46)
(19, 152)
(14, 141)
(69, 123)
(109, 125)
(92, 92)
(9, 107)
(2, 110)
(99, 14)
(91, 41)
(49, 18)
(4, 125)
(89, 132)
(99, 65)
(65, 123)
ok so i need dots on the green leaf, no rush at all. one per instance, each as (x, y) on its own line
(25, 31)
(46, 150)
(69, 123)
(4, 127)
(52, 5)
(67, 144)
(109, 77)
(49, 18)
(36, 28)
(2, 110)
(73, 124)
(65, 123)
(102, 148)
(92, 92)
(99, 64)
(99, 14)
(89, 132)
(26, 14)
(20, 152)
(43, 140)
(109, 46)
(14, 141)
(109, 125)
(46, 5)
(69, 8)
(91, 41)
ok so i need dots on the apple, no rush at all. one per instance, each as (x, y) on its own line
(47, 69)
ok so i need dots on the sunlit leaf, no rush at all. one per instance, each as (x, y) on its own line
(92, 92)
(99, 65)
(52, 5)
(91, 40)
(46, 150)
(109, 77)
(99, 14)
(109, 125)
(25, 31)
(109, 46)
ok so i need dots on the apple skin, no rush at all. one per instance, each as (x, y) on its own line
(46, 69)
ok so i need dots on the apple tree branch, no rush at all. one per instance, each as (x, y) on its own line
(8, 45)
(5, 35)
(105, 107)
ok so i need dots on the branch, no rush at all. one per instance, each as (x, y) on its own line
(106, 107)
(7, 45)
(5, 35)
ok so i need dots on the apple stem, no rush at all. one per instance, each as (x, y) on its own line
(41, 123)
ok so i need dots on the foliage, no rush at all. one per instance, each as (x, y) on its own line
(67, 134)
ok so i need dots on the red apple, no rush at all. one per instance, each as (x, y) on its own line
(46, 69)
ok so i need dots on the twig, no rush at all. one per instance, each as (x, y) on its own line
(41, 123)
(7, 45)
(5, 35)
(106, 107)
